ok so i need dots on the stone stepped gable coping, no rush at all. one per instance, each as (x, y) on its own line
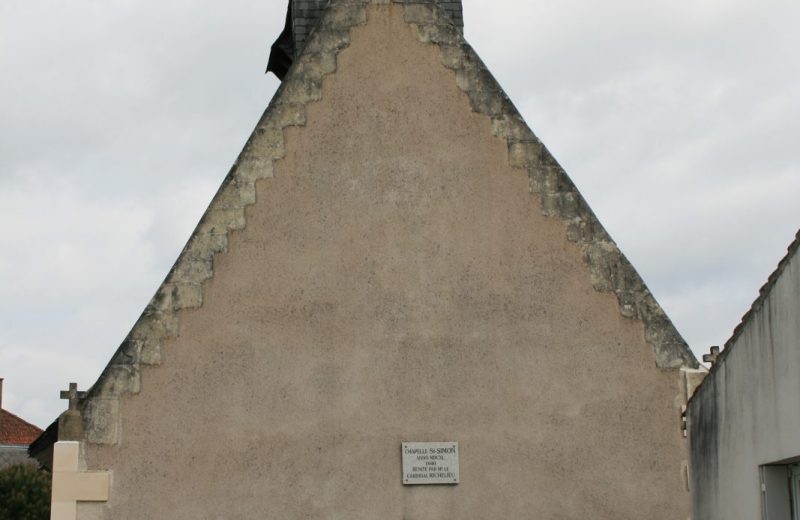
(183, 286)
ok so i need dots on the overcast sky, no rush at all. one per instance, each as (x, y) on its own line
(678, 120)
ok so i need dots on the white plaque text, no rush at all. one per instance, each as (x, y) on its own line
(430, 463)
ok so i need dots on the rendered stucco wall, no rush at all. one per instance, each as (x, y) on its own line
(747, 412)
(397, 281)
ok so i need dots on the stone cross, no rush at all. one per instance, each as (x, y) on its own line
(73, 395)
(712, 356)
(71, 485)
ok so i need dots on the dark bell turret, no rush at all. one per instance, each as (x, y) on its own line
(301, 18)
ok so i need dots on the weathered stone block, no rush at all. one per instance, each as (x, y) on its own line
(474, 77)
(344, 15)
(194, 270)
(440, 33)
(314, 66)
(525, 154)
(267, 143)
(282, 115)
(148, 351)
(328, 40)
(101, 420)
(512, 128)
(162, 300)
(488, 102)
(601, 256)
(422, 13)
(207, 242)
(253, 168)
(235, 195)
(452, 55)
(187, 295)
(155, 326)
(300, 91)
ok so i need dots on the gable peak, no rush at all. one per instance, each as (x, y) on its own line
(302, 16)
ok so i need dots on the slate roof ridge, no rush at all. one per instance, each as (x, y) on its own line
(758, 303)
(16, 431)
(183, 286)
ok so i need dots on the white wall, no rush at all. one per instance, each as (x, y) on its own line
(747, 412)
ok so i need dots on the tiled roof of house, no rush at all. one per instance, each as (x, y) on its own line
(15, 431)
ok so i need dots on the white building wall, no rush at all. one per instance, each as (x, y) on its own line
(747, 412)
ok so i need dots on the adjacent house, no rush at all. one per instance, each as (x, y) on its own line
(16, 435)
(744, 419)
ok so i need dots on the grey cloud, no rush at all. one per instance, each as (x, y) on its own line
(677, 120)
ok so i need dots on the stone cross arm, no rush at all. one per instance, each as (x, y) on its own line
(712, 356)
(73, 395)
(71, 485)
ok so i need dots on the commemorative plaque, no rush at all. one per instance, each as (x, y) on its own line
(430, 463)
